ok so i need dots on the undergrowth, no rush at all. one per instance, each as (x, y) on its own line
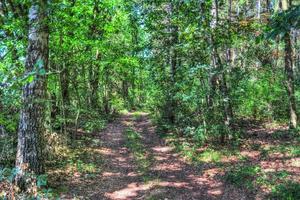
(140, 154)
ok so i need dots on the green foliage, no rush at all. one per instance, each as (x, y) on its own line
(243, 176)
(7, 151)
(8, 174)
(283, 22)
(210, 155)
(199, 133)
(286, 191)
(164, 57)
(9, 123)
(92, 126)
(83, 167)
(37, 183)
(134, 143)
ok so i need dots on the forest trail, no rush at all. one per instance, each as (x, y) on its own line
(155, 172)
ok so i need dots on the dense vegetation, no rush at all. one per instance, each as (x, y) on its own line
(209, 72)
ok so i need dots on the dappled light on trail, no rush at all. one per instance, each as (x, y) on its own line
(131, 161)
(155, 171)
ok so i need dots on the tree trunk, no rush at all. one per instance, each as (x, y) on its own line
(220, 81)
(290, 80)
(213, 79)
(172, 59)
(225, 90)
(94, 85)
(31, 125)
(258, 8)
(289, 73)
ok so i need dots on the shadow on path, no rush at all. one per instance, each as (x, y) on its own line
(169, 177)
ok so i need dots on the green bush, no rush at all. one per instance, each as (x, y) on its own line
(7, 150)
(38, 183)
(286, 191)
(243, 176)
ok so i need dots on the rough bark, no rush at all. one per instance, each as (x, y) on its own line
(289, 72)
(290, 80)
(31, 125)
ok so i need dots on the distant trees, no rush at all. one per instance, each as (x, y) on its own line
(222, 44)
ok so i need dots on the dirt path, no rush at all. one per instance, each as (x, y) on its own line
(168, 177)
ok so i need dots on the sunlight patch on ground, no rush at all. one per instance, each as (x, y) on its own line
(215, 191)
(162, 149)
(105, 151)
(161, 158)
(250, 154)
(111, 174)
(133, 189)
(168, 167)
(127, 193)
(296, 163)
(175, 184)
(127, 123)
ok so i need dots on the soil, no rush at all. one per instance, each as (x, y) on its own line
(169, 177)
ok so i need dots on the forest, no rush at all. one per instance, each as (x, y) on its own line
(150, 99)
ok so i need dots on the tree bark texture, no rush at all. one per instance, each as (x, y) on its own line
(31, 125)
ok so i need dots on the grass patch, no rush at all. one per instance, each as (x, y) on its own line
(292, 150)
(137, 116)
(190, 151)
(243, 176)
(134, 143)
(286, 191)
(252, 177)
(210, 155)
(81, 160)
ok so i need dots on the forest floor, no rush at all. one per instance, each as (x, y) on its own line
(129, 160)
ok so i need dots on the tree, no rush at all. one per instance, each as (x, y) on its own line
(282, 25)
(288, 59)
(31, 125)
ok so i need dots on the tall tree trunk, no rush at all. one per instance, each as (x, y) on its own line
(135, 41)
(31, 126)
(107, 93)
(94, 68)
(94, 78)
(213, 79)
(94, 85)
(289, 72)
(220, 81)
(225, 90)
(290, 80)
(173, 69)
(172, 59)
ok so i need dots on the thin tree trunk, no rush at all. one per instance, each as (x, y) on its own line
(94, 86)
(258, 8)
(173, 40)
(227, 101)
(290, 80)
(221, 81)
(213, 79)
(31, 126)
